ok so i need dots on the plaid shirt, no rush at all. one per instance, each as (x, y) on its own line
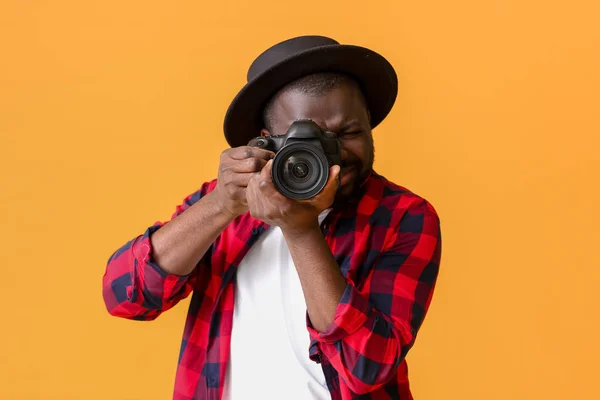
(388, 246)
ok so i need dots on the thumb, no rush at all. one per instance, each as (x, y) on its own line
(266, 171)
(331, 187)
(334, 177)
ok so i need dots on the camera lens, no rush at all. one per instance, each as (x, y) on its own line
(300, 170)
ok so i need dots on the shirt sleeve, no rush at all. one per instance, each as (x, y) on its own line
(375, 327)
(134, 286)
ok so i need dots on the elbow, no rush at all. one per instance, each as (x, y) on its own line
(122, 301)
(370, 379)
(369, 375)
(116, 290)
(128, 309)
(125, 297)
(115, 303)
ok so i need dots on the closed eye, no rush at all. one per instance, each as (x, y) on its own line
(350, 134)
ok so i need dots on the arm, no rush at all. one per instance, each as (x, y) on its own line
(322, 283)
(179, 245)
(155, 270)
(373, 328)
(367, 332)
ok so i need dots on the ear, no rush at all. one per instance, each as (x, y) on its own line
(264, 132)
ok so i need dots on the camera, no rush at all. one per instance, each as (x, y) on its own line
(303, 156)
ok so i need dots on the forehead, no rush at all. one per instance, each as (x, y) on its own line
(331, 110)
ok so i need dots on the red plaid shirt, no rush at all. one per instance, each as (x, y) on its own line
(388, 246)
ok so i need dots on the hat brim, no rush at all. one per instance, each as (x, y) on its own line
(376, 76)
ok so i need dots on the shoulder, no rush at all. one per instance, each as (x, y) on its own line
(407, 220)
(380, 192)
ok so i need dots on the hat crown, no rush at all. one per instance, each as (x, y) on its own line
(280, 51)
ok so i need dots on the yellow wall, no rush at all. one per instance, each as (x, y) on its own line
(111, 112)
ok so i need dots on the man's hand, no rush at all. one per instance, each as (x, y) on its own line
(320, 276)
(267, 204)
(236, 167)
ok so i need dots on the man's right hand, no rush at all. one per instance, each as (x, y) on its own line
(236, 167)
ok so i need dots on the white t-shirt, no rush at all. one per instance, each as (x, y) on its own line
(269, 340)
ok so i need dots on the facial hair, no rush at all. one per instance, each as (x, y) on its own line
(364, 168)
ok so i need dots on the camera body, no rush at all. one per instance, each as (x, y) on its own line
(303, 156)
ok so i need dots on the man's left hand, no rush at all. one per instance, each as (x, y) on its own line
(267, 204)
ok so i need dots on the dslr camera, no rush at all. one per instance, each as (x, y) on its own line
(303, 156)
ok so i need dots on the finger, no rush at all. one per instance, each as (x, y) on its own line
(265, 180)
(255, 182)
(252, 164)
(336, 170)
(251, 194)
(334, 178)
(240, 179)
(240, 196)
(333, 182)
(243, 152)
(266, 170)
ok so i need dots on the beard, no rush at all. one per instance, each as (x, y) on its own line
(360, 170)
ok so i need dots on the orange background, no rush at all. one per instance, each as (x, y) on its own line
(111, 112)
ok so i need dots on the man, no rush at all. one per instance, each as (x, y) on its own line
(312, 299)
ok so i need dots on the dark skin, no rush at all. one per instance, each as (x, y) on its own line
(179, 245)
(244, 184)
(342, 110)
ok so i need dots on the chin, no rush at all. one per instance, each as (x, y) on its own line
(345, 192)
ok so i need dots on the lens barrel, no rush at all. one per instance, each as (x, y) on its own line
(300, 170)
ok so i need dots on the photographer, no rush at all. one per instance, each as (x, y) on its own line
(311, 274)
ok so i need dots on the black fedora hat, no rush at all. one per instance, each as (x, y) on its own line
(300, 56)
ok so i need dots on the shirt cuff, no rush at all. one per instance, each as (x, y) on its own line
(157, 285)
(351, 313)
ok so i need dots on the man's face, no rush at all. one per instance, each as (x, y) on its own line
(341, 110)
